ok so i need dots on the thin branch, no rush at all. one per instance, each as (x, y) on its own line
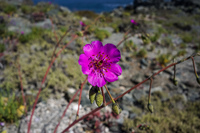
(125, 38)
(58, 43)
(79, 101)
(194, 66)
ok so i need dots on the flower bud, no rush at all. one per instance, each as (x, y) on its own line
(116, 109)
(150, 107)
(92, 93)
(175, 82)
(99, 99)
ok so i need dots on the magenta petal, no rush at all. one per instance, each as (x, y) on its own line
(110, 76)
(93, 48)
(101, 81)
(83, 61)
(116, 69)
(85, 69)
(97, 46)
(96, 80)
(92, 79)
(88, 49)
(112, 52)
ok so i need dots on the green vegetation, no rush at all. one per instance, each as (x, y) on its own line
(142, 53)
(101, 34)
(154, 37)
(186, 37)
(130, 46)
(115, 27)
(10, 109)
(9, 9)
(145, 39)
(183, 45)
(88, 14)
(167, 42)
(36, 33)
(27, 9)
(181, 53)
(2, 48)
(163, 59)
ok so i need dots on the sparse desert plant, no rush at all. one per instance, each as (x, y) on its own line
(181, 53)
(130, 46)
(167, 42)
(2, 48)
(26, 9)
(142, 53)
(163, 59)
(88, 14)
(186, 37)
(183, 45)
(10, 109)
(145, 39)
(101, 34)
(154, 37)
(115, 27)
(9, 9)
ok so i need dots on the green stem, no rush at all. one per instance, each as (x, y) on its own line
(109, 94)
(149, 100)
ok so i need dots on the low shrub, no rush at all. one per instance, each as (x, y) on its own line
(101, 34)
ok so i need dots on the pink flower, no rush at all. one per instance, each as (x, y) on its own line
(99, 63)
(82, 24)
(22, 32)
(2, 124)
(133, 22)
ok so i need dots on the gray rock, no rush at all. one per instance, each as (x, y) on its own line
(64, 9)
(137, 78)
(192, 95)
(126, 83)
(144, 62)
(156, 89)
(19, 25)
(85, 98)
(138, 93)
(128, 99)
(115, 129)
(46, 24)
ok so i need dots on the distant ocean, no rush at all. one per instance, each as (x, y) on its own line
(92, 5)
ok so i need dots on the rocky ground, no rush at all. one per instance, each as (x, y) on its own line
(28, 37)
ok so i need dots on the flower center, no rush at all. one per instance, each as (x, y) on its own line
(99, 63)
